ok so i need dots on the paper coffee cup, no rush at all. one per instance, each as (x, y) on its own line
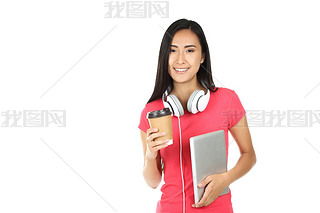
(161, 119)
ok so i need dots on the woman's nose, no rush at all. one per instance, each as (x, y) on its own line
(180, 58)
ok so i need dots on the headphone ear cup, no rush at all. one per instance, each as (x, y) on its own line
(203, 101)
(167, 105)
(176, 105)
(192, 104)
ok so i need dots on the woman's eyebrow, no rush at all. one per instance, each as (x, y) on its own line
(190, 45)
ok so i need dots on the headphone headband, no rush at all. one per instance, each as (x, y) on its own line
(197, 102)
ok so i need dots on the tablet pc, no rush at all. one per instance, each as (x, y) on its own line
(208, 156)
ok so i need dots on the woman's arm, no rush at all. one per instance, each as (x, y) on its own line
(217, 182)
(247, 160)
(152, 171)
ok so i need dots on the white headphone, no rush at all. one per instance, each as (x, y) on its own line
(197, 102)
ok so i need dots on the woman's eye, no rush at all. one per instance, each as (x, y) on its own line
(172, 50)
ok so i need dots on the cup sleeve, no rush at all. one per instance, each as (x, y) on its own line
(238, 111)
(144, 123)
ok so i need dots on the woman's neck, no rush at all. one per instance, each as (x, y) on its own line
(183, 91)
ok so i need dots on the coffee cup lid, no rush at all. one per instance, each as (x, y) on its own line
(159, 113)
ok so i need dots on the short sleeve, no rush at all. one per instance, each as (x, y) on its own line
(144, 123)
(237, 110)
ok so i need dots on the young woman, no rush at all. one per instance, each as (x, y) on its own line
(184, 66)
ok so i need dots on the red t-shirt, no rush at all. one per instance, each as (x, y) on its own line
(223, 111)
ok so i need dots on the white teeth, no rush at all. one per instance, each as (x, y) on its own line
(181, 70)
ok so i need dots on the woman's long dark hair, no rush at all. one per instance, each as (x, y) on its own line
(163, 80)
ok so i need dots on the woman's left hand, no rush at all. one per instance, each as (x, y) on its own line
(216, 184)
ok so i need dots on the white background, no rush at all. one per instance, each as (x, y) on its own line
(65, 55)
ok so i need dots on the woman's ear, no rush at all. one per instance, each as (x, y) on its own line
(203, 57)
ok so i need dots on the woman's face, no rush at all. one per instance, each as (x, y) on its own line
(185, 53)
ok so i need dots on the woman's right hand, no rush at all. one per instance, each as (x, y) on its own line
(154, 146)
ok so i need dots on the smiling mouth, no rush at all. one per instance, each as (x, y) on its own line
(181, 70)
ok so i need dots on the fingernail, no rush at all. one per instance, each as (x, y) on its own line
(155, 129)
(163, 133)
